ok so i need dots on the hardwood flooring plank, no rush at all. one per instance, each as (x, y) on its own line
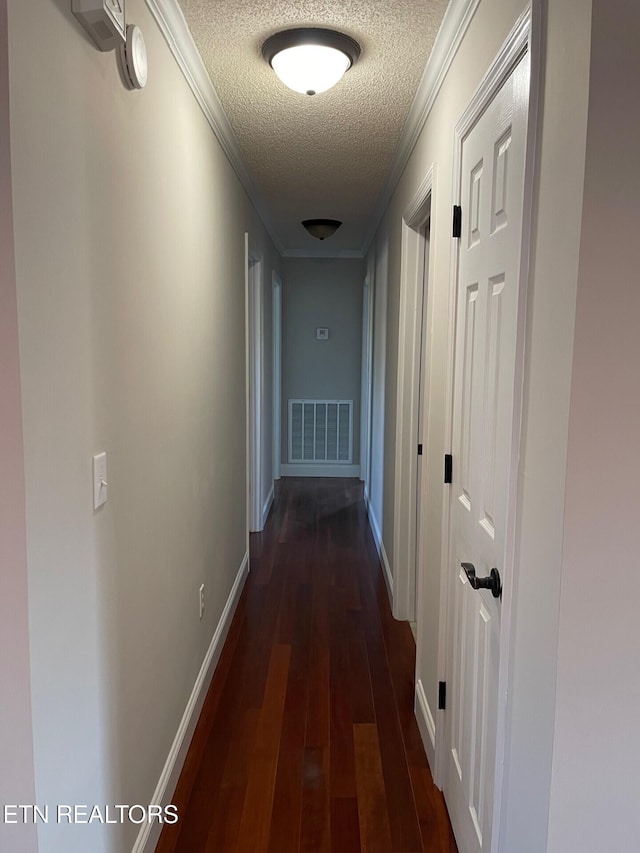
(315, 819)
(256, 815)
(435, 827)
(226, 808)
(359, 674)
(375, 833)
(405, 828)
(287, 801)
(318, 705)
(345, 825)
(225, 821)
(342, 755)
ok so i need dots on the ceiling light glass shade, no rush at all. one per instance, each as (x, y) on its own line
(321, 228)
(310, 60)
(310, 68)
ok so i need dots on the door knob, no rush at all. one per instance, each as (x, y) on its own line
(491, 582)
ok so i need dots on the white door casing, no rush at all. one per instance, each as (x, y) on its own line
(366, 386)
(255, 384)
(277, 374)
(412, 335)
(485, 436)
(423, 414)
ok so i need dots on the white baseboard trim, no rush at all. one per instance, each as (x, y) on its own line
(150, 833)
(266, 508)
(426, 724)
(319, 470)
(377, 538)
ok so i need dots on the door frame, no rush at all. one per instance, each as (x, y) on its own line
(276, 291)
(365, 383)
(254, 352)
(524, 37)
(414, 325)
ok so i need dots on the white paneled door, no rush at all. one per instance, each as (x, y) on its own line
(483, 442)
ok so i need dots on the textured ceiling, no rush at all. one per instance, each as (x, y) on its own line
(328, 155)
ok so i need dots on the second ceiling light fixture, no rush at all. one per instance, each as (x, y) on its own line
(310, 60)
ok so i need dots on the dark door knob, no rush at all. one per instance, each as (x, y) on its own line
(491, 582)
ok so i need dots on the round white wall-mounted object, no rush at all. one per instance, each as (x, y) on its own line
(134, 58)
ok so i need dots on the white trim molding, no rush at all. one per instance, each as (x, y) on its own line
(276, 301)
(366, 392)
(318, 469)
(412, 316)
(150, 832)
(322, 253)
(426, 723)
(377, 538)
(452, 31)
(254, 314)
(175, 30)
(266, 507)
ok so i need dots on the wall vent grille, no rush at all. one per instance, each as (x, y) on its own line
(321, 431)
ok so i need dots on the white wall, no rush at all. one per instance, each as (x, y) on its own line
(129, 235)
(597, 739)
(319, 292)
(16, 745)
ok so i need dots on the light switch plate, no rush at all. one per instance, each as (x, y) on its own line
(99, 480)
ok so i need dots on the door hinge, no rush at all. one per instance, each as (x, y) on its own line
(457, 220)
(419, 450)
(448, 468)
(442, 696)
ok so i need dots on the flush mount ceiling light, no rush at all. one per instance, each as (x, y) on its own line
(321, 228)
(310, 60)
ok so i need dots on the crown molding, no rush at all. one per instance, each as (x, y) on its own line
(335, 254)
(452, 30)
(175, 30)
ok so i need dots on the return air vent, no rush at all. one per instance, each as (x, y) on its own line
(320, 431)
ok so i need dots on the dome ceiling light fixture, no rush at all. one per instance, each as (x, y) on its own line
(310, 59)
(321, 228)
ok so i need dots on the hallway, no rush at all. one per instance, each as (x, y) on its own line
(307, 740)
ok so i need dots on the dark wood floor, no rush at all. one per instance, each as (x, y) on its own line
(307, 740)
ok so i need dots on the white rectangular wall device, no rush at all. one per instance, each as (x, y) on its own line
(104, 20)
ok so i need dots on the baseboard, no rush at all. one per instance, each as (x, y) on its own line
(426, 724)
(266, 509)
(150, 832)
(319, 470)
(377, 538)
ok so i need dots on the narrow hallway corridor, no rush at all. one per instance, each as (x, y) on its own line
(307, 740)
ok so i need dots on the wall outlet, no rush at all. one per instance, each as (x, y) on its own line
(201, 599)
